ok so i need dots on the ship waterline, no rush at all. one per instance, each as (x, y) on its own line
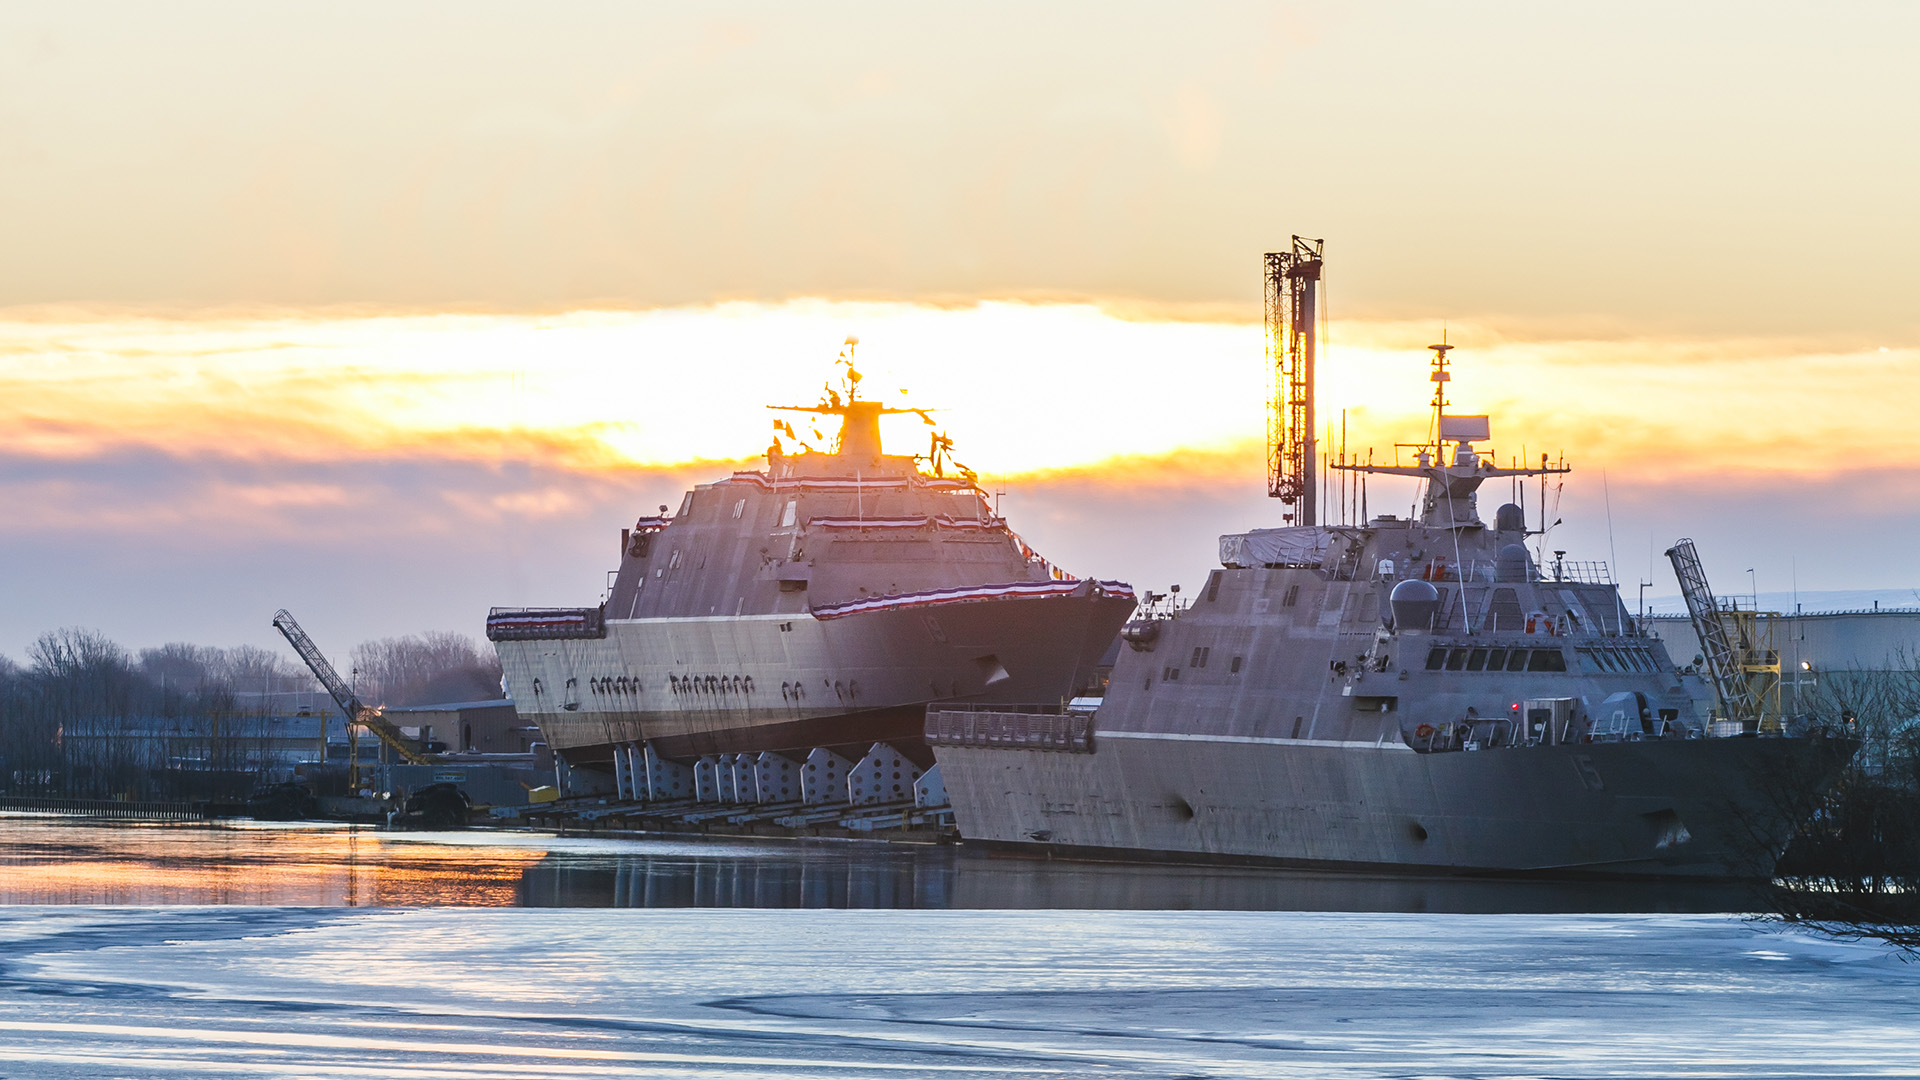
(1700, 808)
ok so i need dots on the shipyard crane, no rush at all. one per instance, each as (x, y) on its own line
(1293, 311)
(1735, 645)
(358, 713)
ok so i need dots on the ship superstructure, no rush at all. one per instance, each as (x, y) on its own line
(1415, 693)
(819, 603)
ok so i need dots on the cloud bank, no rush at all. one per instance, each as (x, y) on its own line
(171, 478)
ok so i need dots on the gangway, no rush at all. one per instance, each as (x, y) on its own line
(358, 713)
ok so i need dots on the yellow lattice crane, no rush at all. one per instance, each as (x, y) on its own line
(1736, 646)
(359, 715)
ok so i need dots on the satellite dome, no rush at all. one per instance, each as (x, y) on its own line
(1414, 604)
(1512, 564)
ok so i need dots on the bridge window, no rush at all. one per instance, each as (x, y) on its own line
(1517, 660)
(1436, 659)
(1547, 660)
(1477, 660)
(1457, 659)
(1496, 659)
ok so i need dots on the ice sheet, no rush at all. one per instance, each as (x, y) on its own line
(815, 993)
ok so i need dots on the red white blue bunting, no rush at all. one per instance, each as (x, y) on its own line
(844, 485)
(971, 593)
(869, 523)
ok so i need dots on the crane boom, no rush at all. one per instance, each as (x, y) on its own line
(366, 716)
(1715, 645)
(1736, 645)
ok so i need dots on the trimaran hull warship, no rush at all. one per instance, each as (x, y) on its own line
(821, 603)
(1396, 694)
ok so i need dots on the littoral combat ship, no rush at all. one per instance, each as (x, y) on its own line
(1408, 694)
(819, 604)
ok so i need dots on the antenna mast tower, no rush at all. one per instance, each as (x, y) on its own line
(1293, 311)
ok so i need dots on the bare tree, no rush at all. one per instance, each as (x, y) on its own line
(423, 669)
(85, 717)
(1854, 868)
(178, 664)
(92, 689)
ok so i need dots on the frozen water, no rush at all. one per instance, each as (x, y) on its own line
(329, 952)
(446, 993)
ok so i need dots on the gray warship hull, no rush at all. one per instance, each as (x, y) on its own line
(1420, 694)
(1710, 808)
(785, 683)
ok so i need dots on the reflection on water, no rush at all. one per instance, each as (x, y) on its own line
(832, 876)
(65, 861)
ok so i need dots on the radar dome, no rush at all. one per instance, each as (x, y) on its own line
(1414, 604)
(1509, 518)
(1512, 564)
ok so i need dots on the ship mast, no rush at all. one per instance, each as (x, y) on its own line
(857, 446)
(1452, 477)
(1292, 311)
(1441, 377)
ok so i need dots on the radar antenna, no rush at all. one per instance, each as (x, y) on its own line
(1292, 304)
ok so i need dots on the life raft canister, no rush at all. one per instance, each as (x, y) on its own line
(1424, 731)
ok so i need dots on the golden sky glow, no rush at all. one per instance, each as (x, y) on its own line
(1025, 388)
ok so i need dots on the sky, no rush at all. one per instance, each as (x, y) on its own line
(388, 313)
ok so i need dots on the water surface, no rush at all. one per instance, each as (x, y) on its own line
(45, 860)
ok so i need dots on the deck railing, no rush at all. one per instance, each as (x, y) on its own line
(1011, 727)
(105, 808)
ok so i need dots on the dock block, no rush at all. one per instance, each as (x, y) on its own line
(725, 791)
(823, 780)
(929, 791)
(625, 788)
(883, 776)
(775, 778)
(706, 779)
(745, 779)
(666, 780)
